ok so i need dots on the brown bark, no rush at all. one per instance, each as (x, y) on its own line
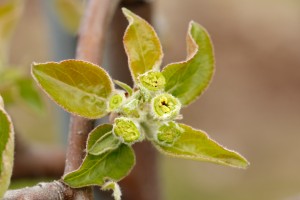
(90, 44)
(46, 191)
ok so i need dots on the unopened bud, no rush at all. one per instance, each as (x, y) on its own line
(126, 130)
(168, 133)
(153, 81)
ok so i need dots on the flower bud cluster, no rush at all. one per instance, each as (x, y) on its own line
(148, 106)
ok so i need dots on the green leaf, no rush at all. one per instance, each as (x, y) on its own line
(96, 170)
(79, 87)
(6, 150)
(142, 45)
(188, 79)
(102, 140)
(29, 94)
(70, 13)
(196, 145)
(124, 86)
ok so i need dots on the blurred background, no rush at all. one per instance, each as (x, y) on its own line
(252, 105)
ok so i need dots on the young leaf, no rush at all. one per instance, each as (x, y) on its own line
(124, 86)
(196, 145)
(29, 94)
(188, 79)
(142, 45)
(95, 170)
(102, 140)
(79, 87)
(6, 150)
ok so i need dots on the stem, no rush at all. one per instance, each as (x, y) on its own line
(90, 48)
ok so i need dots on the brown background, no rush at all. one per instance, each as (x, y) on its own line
(252, 106)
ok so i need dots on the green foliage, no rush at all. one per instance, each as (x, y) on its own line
(188, 79)
(97, 170)
(14, 86)
(6, 149)
(148, 111)
(102, 140)
(196, 145)
(142, 45)
(79, 87)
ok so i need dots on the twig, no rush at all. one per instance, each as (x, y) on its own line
(90, 48)
(46, 191)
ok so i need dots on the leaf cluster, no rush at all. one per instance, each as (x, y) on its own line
(148, 111)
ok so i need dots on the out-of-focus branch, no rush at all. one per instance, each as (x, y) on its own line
(26, 155)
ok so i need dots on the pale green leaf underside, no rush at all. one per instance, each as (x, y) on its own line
(95, 170)
(102, 140)
(6, 151)
(124, 86)
(142, 45)
(196, 145)
(80, 87)
(188, 79)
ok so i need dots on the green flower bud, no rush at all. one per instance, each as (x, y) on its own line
(153, 81)
(168, 133)
(125, 129)
(116, 101)
(165, 106)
